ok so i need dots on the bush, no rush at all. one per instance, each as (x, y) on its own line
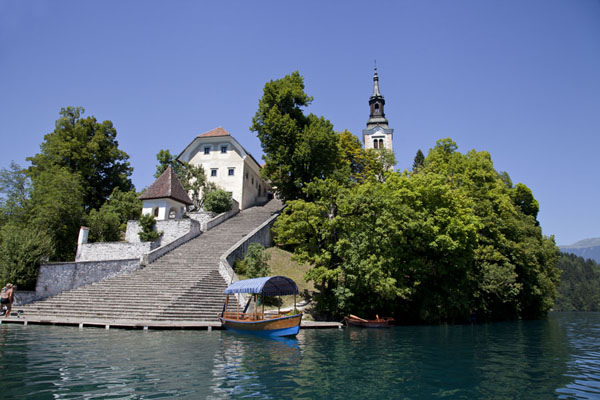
(104, 225)
(148, 232)
(256, 262)
(218, 201)
(22, 250)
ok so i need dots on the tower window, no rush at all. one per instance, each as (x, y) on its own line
(377, 107)
(375, 144)
(231, 171)
(213, 172)
(223, 149)
(207, 150)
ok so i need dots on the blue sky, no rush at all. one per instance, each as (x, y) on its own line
(519, 79)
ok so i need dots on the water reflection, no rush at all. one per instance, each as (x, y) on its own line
(557, 357)
(583, 331)
(247, 365)
(509, 360)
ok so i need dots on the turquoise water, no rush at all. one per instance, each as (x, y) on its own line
(555, 358)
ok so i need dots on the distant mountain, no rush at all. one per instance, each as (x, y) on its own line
(586, 248)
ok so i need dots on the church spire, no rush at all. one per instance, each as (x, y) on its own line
(376, 92)
(378, 134)
(376, 103)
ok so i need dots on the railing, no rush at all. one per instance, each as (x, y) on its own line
(255, 316)
(244, 316)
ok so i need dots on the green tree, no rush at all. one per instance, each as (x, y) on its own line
(58, 201)
(256, 262)
(523, 198)
(89, 149)
(514, 266)
(440, 245)
(419, 161)
(357, 164)
(192, 177)
(384, 241)
(15, 187)
(126, 205)
(218, 201)
(104, 225)
(166, 159)
(580, 284)
(298, 148)
(148, 232)
(22, 250)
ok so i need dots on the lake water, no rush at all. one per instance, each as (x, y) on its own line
(555, 358)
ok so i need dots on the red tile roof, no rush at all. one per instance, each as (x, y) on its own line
(215, 132)
(167, 186)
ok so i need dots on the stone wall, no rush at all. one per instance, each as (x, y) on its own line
(172, 229)
(261, 235)
(201, 216)
(55, 278)
(208, 225)
(133, 247)
(103, 251)
(24, 297)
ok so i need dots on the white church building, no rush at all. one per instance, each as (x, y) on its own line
(228, 165)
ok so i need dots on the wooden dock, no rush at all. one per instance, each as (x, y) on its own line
(145, 325)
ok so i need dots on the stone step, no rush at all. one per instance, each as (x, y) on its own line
(184, 284)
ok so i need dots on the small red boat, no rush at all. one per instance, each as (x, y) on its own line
(353, 320)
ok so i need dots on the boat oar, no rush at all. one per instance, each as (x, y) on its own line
(358, 318)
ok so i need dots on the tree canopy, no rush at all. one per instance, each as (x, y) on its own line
(68, 185)
(447, 242)
(298, 148)
(580, 284)
(85, 147)
(192, 177)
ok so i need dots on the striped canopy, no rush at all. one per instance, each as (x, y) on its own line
(267, 286)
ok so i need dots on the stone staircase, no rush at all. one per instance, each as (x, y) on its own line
(183, 285)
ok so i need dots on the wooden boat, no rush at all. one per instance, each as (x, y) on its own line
(353, 320)
(261, 323)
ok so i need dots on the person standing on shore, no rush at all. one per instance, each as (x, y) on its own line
(8, 296)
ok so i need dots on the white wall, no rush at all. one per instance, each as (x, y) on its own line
(243, 190)
(387, 140)
(163, 206)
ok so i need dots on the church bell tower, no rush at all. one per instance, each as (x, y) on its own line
(378, 134)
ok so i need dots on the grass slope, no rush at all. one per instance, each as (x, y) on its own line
(281, 263)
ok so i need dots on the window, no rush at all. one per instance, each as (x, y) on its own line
(207, 150)
(213, 172)
(253, 180)
(223, 149)
(246, 175)
(381, 143)
(155, 212)
(231, 171)
(375, 144)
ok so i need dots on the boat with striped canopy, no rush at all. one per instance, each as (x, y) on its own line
(259, 322)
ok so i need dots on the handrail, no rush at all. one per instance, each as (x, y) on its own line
(253, 316)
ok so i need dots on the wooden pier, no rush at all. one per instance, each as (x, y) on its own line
(139, 324)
